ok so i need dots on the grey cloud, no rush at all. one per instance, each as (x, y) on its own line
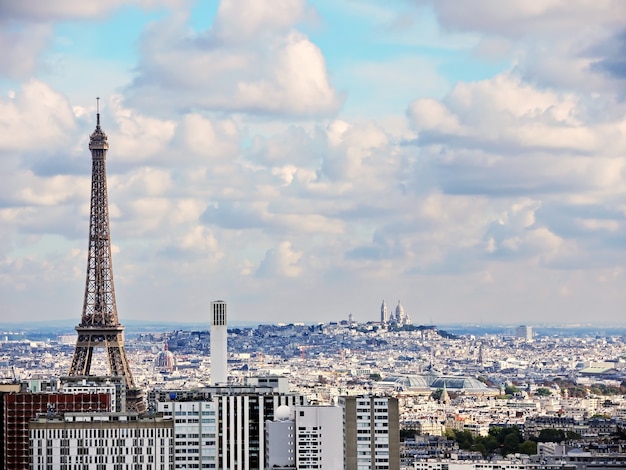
(21, 46)
(59, 164)
(62, 10)
(294, 146)
(566, 220)
(63, 220)
(232, 215)
(454, 262)
(363, 211)
(516, 18)
(613, 53)
(367, 252)
(505, 178)
(548, 40)
(27, 27)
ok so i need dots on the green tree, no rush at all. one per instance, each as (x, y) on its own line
(510, 444)
(551, 435)
(528, 448)
(480, 447)
(486, 381)
(543, 392)
(571, 435)
(491, 443)
(465, 439)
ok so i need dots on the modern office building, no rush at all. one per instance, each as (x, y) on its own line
(101, 441)
(524, 332)
(371, 433)
(222, 426)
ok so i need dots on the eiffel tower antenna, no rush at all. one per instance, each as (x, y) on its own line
(99, 325)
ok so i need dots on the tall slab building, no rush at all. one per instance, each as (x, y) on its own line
(219, 339)
(371, 432)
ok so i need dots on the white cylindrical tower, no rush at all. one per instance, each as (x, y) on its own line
(219, 337)
(383, 313)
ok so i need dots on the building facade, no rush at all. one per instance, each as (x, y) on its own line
(103, 441)
(305, 437)
(222, 427)
(19, 408)
(371, 432)
(319, 437)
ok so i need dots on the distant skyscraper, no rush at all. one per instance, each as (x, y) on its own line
(383, 313)
(219, 338)
(100, 326)
(524, 332)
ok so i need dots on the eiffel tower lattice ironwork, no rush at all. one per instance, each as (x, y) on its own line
(99, 326)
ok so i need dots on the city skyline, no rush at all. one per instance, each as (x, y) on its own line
(307, 160)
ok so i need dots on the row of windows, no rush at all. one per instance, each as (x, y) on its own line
(100, 433)
(103, 467)
(195, 413)
(85, 449)
(98, 459)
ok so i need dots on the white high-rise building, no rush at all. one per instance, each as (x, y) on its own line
(319, 438)
(383, 313)
(223, 427)
(307, 437)
(195, 428)
(219, 338)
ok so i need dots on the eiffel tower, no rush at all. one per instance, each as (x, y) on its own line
(99, 326)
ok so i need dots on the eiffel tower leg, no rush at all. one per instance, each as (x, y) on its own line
(118, 364)
(83, 353)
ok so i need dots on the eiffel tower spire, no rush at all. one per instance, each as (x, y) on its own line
(99, 326)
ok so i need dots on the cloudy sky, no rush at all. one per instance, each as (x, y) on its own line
(306, 160)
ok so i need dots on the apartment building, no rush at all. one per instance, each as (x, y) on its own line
(371, 432)
(101, 441)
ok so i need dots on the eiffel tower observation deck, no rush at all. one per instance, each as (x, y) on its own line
(99, 326)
